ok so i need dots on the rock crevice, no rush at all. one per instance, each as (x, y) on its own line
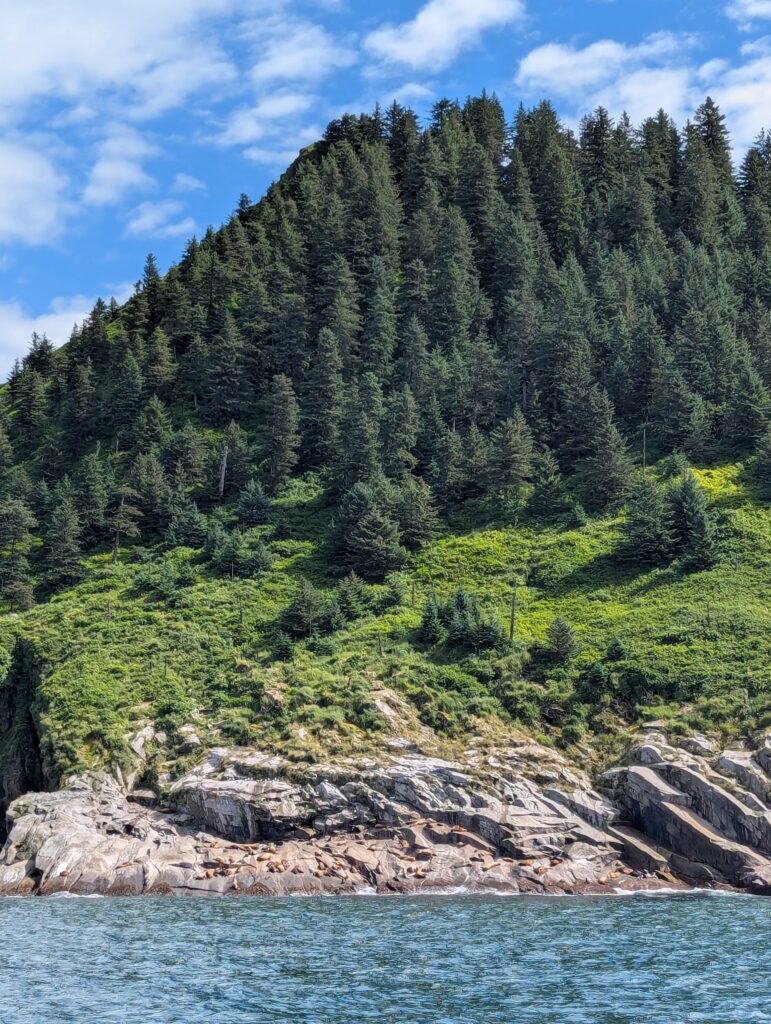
(520, 818)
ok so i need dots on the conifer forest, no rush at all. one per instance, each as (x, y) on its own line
(475, 409)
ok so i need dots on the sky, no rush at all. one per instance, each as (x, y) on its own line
(127, 128)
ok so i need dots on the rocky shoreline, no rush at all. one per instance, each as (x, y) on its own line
(517, 819)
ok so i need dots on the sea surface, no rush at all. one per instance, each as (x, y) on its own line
(347, 960)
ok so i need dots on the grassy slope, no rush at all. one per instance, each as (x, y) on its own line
(118, 655)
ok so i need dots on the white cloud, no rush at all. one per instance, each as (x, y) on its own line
(412, 91)
(638, 79)
(118, 170)
(188, 183)
(440, 30)
(17, 326)
(152, 52)
(562, 70)
(271, 157)
(33, 204)
(747, 11)
(159, 220)
(742, 93)
(297, 51)
(279, 154)
(643, 91)
(250, 124)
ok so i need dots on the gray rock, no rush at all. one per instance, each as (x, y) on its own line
(699, 745)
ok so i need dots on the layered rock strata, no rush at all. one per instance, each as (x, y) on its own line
(517, 819)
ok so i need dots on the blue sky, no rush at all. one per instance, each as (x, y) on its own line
(128, 127)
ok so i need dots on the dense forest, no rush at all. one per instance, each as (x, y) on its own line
(431, 330)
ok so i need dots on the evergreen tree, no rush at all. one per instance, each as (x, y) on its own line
(6, 451)
(61, 543)
(304, 615)
(352, 596)
(562, 643)
(415, 512)
(366, 537)
(374, 545)
(747, 415)
(548, 488)
(127, 392)
(324, 400)
(123, 520)
(152, 429)
(511, 459)
(283, 437)
(430, 626)
(185, 456)
(194, 370)
(400, 432)
(151, 487)
(693, 525)
(187, 525)
(360, 457)
(648, 528)
(608, 466)
(92, 487)
(161, 368)
(16, 525)
(763, 462)
(254, 504)
(228, 384)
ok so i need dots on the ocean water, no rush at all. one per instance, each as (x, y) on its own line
(420, 960)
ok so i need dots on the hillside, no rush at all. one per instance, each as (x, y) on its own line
(460, 431)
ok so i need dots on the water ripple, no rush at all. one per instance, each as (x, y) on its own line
(422, 960)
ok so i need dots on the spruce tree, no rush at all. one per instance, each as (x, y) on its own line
(511, 458)
(608, 466)
(151, 486)
(324, 397)
(152, 429)
(648, 529)
(763, 462)
(228, 390)
(562, 643)
(304, 614)
(127, 393)
(92, 487)
(160, 369)
(123, 519)
(693, 525)
(548, 496)
(374, 545)
(401, 425)
(6, 451)
(283, 431)
(61, 543)
(16, 524)
(254, 504)
(415, 512)
(430, 627)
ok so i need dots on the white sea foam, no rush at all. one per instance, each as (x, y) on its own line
(77, 896)
(674, 892)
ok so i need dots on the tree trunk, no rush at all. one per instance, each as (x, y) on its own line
(223, 471)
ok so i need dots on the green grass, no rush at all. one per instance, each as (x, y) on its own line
(698, 644)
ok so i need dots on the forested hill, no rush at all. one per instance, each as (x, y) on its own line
(418, 336)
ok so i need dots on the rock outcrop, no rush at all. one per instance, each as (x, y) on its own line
(518, 818)
(244, 821)
(706, 811)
